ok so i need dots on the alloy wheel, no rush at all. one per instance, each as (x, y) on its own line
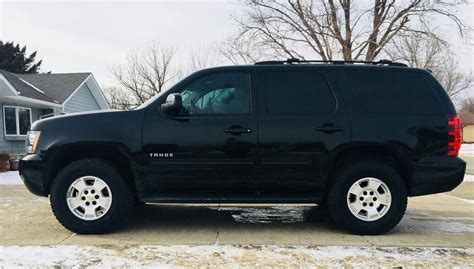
(369, 199)
(89, 198)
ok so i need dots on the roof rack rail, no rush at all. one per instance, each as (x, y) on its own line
(298, 61)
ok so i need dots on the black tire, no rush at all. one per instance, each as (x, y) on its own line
(337, 197)
(89, 167)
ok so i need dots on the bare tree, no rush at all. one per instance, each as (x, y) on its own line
(239, 51)
(454, 81)
(467, 106)
(119, 99)
(328, 29)
(146, 73)
(429, 52)
(203, 57)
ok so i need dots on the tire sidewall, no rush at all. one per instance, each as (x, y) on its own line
(338, 198)
(82, 168)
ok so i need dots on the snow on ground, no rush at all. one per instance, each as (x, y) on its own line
(282, 214)
(462, 199)
(414, 221)
(229, 256)
(468, 178)
(467, 149)
(10, 178)
(418, 221)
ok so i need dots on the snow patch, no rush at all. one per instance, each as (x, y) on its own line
(468, 178)
(461, 199)
(10, 178)
(229, 256)
(467, 149)
(267, 214)
(416, 221)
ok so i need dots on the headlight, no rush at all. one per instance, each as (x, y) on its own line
(32, 139)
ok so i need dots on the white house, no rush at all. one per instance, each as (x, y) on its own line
(26, 98)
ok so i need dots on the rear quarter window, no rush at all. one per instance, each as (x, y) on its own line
(394, 92)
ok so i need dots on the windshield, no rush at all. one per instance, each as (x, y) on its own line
(151, 100)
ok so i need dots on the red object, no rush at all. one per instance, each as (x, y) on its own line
(454, 134)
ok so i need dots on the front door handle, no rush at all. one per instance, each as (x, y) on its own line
(328, 129)
(237, 130)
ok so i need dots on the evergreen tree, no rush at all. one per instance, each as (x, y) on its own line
(14, 59)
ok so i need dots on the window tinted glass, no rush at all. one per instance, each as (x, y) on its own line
(394, 92)
(298, 93)
(219, 93)
(10, 121)
(24, 120)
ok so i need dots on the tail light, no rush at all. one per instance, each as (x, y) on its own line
(454, 135)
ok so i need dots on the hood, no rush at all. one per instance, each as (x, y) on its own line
(97, 115)
(122, 127)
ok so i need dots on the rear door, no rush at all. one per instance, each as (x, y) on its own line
(301, 120)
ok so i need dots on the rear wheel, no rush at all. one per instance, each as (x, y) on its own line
(89, 197)
(367, 198)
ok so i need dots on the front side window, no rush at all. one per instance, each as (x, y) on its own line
(17, 120)
(225, 93)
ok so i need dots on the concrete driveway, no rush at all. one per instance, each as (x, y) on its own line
(439, 220)
(442, 222)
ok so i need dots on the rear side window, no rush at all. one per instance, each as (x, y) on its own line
(394, 92)
(297, 93)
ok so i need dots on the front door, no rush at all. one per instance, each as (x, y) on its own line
(210, 151)
(300, 124)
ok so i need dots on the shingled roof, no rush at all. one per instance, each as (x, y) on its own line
(57, 86)
(26, 89)
(54, 88)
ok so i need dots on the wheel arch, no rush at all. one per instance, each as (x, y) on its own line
(114, 153)
(395, 155)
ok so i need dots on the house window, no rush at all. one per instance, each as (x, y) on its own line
(17, 120)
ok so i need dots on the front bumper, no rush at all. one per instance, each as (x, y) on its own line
(33, 171)
(437, 174)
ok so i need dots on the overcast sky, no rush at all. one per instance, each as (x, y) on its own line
(92, 36)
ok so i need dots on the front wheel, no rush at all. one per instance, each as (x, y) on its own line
(367, 198)
(89, 197)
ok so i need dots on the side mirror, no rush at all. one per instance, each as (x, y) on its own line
(173, 105)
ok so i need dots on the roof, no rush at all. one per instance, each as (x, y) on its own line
(467, 118)
(57, 86)
(24, 88)
(338, 62)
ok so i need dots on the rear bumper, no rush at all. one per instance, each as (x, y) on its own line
(33, 173)
(437, 174)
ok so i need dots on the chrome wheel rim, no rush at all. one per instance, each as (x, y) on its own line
(369, 199)
(89, 198)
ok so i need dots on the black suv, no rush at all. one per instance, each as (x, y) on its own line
(356, 137)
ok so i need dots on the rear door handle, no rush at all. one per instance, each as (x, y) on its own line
(237, 130)
(329, 129)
